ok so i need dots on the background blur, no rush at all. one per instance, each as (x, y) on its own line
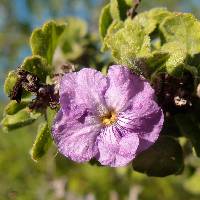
(56, 178)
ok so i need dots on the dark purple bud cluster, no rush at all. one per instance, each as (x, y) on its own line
(26, 81)
(16, 93)
(175, 94)
(45, 94)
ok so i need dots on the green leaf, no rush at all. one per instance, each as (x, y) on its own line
(190, 127)
(42, 142)
(105, 20)
(44, 40)
(22, 118)
(128, 43)
(177, 56)
(164, 158)
(159, 14)
(112, 29)
(129, 2)
(10, 82)
(147, 23)
(13, 107)
(118, 9)
(51, 113)
(43, 139)
(151, 19)
(183, 28)
(36, 65)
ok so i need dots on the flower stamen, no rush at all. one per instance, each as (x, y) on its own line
(109, 118)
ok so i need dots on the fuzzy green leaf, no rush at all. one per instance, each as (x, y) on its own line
(118, 9)
(105, 20)
(13, 107)
(148, 24)
(22, 118)
(159, 14)
(151, 19)
(129, 2)
(128, 43)
(164, 158)
(43, 139)
(10, 82)
(36, 65)
(177, 55)
(50, 116)
(42, 142)
(112, 29)
(44, 40)
(183, 28)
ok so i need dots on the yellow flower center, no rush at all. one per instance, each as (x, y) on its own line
(109, 118)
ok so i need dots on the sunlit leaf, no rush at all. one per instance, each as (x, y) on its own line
(112, 29)
(118, 9)
(10, 82)
(177, 56)
(37, 66)
(151, 19)
(105, 20)
(128, 43)
(44, 40)
(129, 2)
(43, 139)
(183, 28)
(50, 117)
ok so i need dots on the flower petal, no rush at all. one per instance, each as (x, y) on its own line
(115, 150)
(140, 118)
(76, 137)
(146, 122)
(149, 138)
(124, 85)
(86, 87)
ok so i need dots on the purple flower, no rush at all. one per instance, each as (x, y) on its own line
(110, 118)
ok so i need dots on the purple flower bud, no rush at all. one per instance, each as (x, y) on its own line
(110, 118)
